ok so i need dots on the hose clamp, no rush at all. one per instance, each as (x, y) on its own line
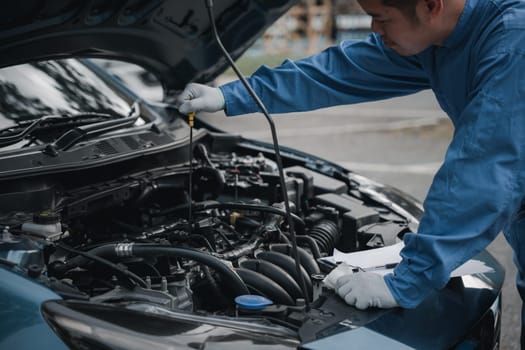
(124, 249)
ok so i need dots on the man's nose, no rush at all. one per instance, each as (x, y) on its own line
(377, 27)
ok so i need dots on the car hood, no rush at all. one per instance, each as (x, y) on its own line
(172, 39)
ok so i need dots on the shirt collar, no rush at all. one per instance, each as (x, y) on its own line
(461, 31)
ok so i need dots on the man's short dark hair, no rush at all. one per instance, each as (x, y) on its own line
(408, 7)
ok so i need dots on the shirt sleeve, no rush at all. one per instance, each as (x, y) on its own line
(478, 188)
(352, 72)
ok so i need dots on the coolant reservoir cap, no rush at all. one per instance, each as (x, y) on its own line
(46, 217)
(252, 302)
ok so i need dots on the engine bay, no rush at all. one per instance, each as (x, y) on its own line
(140, 239)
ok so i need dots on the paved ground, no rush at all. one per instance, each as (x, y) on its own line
(400, 142)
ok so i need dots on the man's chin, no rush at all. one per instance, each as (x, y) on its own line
(402, 51)
(394, 48)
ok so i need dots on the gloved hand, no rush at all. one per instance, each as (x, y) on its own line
(198, 97)
(364, 290)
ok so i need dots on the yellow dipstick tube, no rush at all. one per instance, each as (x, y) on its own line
(191, 121)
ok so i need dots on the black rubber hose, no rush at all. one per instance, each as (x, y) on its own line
(201, 206)
(307, 261)
(216, 291)
(156, 186)
(287, 263)
(263, 284)
(275, 273)
(80, 260)
(325, 237)
(325, 241)
(284, 239)
(327, 234)
(312, 244)
(322, 243)
(88, 256)
(230, 277)
(146, 193)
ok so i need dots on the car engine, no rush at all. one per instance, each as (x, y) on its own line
(140, 238)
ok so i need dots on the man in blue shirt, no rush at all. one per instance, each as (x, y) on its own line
(471, 53)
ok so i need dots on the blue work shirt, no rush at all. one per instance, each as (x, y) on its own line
(478, 77)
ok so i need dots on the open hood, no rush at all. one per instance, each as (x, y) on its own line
(171, 38)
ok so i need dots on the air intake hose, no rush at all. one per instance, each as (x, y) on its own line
(326, 233)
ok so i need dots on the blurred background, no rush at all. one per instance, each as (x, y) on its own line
(400, 142)
(312, 25)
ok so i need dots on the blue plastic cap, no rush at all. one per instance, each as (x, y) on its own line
(252, 302)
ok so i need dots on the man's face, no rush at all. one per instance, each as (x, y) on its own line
(406, 36)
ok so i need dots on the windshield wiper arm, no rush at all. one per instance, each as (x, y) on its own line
(16, 133)
(8, 140)
(75, 135)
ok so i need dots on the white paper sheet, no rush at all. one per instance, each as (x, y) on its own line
(372, 258)
(377, 261)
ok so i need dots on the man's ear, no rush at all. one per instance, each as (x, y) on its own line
(433, 7)
(429, 10)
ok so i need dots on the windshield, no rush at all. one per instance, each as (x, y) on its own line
(33, 90)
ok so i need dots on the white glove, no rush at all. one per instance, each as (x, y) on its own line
(198, 97)
(364, 290)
